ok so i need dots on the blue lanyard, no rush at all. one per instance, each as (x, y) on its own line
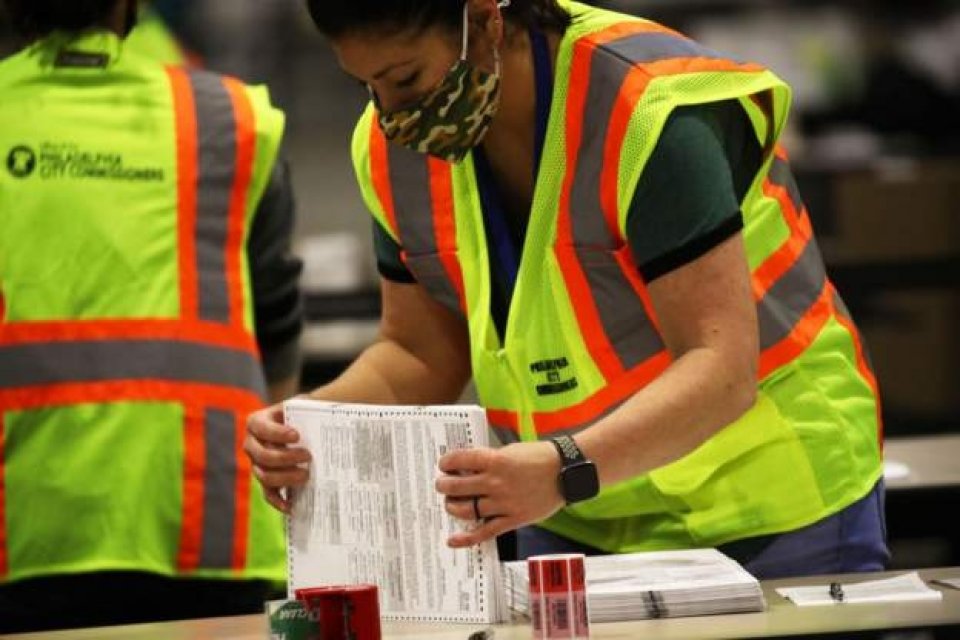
(506, 245)
(543, 77)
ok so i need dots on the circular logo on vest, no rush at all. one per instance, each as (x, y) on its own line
(21, 161)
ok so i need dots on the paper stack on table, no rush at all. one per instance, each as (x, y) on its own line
(903, 588)
(659, 584)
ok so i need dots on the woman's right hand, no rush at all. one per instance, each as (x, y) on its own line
(277, 465)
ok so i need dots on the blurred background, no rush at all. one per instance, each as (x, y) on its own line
(874, 137)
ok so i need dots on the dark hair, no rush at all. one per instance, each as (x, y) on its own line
(336, 17)
(34, 18)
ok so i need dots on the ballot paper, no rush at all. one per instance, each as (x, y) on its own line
(907, 587)
(656, 584)
(370, 513)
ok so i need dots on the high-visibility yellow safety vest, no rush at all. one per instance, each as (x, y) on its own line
(128, 361)
(581, 336)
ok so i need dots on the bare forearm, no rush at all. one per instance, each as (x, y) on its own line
(386, 373)
(280, 390)
(694, 398)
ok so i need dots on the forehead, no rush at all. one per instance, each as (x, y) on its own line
(362, 53)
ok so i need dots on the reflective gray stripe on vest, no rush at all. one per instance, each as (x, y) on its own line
(505, 435)
(413, 206)
(102, 361)
(574, 429)
(791, 296)
(781, 176)
(622, 314)
(219, 489)
(607, 75)
(216, 171)
(778, 312)
(643, 48)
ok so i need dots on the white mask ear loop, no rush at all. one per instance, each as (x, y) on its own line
(502, 4)
(464, 28)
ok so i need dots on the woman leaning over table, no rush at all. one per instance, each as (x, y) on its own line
(590, 214)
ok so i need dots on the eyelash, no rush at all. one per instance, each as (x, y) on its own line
(409, 81)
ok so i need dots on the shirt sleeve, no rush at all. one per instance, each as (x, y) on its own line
(275, 278)
(389, 263)
(688, 198)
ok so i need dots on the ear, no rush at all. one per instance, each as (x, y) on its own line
(485, 17)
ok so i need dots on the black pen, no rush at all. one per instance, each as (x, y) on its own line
(836, 591)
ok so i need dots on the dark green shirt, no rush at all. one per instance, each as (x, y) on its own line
(687, 200)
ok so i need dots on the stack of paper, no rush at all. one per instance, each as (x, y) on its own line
(908, 587)
(660, 584)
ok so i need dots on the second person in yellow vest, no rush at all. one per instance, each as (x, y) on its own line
(148, 303)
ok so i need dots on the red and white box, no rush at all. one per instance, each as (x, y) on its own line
(558, 597)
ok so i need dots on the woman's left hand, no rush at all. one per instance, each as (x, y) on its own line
(515, 485)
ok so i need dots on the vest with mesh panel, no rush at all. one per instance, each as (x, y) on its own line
(581, 335)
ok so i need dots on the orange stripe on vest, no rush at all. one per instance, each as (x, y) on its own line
(246, 141)
(800, 337)
(504, 419)
(379, 175)
(587, 412)
(780, 261)
(63, 394)
(626, 29)
(445, 226)
(187, 175)
(207, 333)
(588, 316)
(191, 524)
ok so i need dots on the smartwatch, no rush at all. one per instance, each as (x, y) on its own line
(578, 476)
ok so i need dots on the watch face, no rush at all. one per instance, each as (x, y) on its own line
(579, 482)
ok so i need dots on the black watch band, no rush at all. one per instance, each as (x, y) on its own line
(569, 451)
(578, 480)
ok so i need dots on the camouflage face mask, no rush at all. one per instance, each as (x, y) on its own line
(452, 119)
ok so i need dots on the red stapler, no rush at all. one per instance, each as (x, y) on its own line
(344, 612)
